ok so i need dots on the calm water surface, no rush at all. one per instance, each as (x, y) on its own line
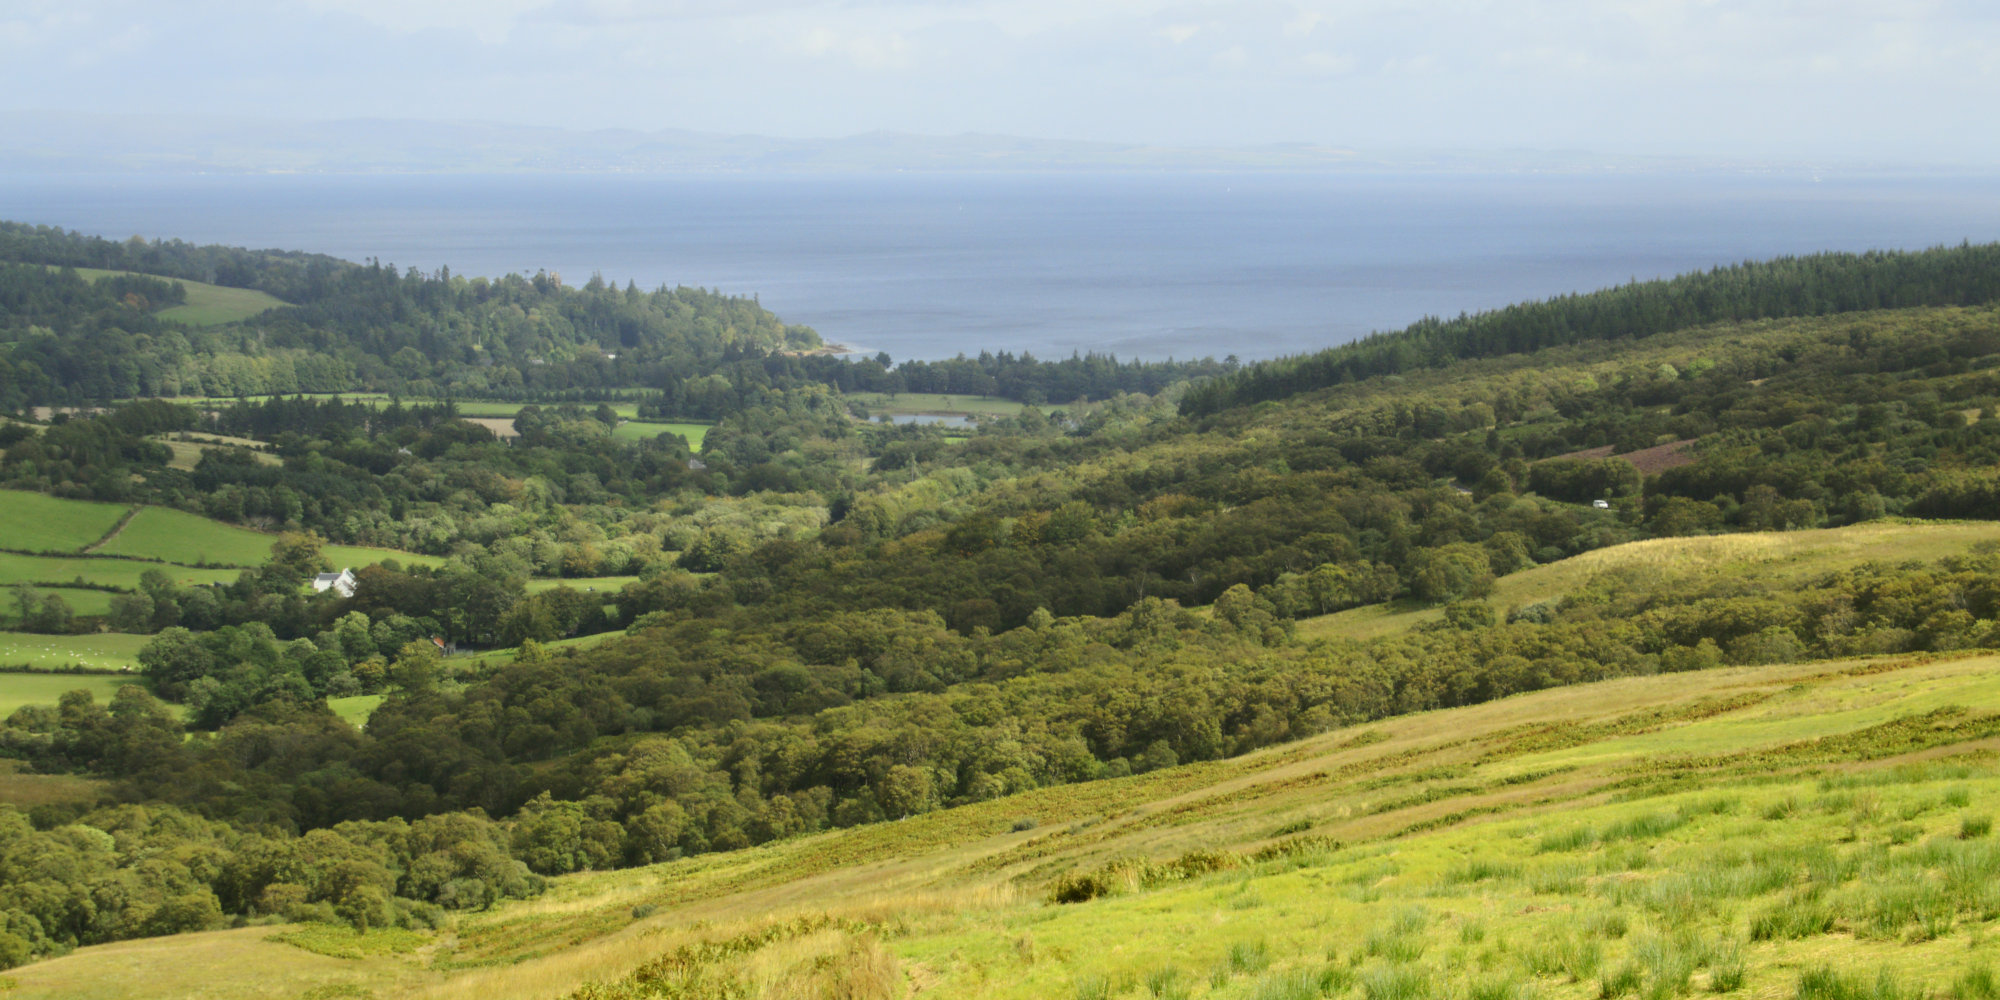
(927, 266)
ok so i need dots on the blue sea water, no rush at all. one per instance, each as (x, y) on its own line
(1151, 266)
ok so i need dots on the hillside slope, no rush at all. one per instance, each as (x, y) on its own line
(1721, 830)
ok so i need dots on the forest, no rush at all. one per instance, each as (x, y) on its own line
(832, 621)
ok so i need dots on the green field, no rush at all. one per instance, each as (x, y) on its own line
(187, 453)
(41, 523)
(121, 573)
(17, 690)
(502, 656)
(81, 600)
(177, 536)
(645, 430)
(357, 556)
(49, 524)
(606, 585)
(101, 651)
(207, 305)
(355, 709)
(941, 404)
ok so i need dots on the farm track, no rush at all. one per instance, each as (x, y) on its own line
(115, 529)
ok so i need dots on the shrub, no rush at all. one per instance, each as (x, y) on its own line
(1024, 824)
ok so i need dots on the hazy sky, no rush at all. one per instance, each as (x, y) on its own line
(1887, 80)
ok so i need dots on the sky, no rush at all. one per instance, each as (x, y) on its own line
(1890, 81)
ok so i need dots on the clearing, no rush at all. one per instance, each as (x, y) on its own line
(206, 305)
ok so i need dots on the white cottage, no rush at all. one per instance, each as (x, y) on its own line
(341, 583)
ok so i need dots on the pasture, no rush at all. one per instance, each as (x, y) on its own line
(188, 449)
(81, 600)
(355, 709)
(206, 305)
(56, 571)
(100, 651)
(37, 522)
(935, 403)
(643, 430)
(17, 690)
(605, 585)
(181, 537)
(357, 556)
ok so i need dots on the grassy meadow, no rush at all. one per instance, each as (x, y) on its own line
(1819, 831)
(100, 651)
(188, 449)
(41, 523)
(645, 430)
(355, 709)
(206, 305)
(936, 403)
(17, 690)
(607, 585)
(356, 556)
(1768, 556)
(180, 537)
(120, 573)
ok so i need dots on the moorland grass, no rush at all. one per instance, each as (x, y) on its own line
(1500, 899)
(1769, 557)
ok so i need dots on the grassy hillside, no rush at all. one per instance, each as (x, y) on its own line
(1733, 831)
(180, 537)
(207, 305)
(1772, 556)
(41, 523)
(38, 522)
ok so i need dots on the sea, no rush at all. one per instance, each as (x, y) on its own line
(1152, 266)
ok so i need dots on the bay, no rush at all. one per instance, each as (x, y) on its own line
(1138, 265)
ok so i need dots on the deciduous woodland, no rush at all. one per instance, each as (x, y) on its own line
(585, 637)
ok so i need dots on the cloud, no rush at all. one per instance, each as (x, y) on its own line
(1743, 77)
